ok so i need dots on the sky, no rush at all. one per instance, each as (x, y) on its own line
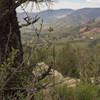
(62, 4)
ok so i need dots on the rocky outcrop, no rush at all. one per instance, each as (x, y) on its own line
(39, 69)
(92, 31)
(57, 76)
(86, 30)
(83, 29)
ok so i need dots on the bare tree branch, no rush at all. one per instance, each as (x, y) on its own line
(28, 22)
(17, 4)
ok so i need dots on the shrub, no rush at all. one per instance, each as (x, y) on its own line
(87, 92)
(65, 93)
(67, 62)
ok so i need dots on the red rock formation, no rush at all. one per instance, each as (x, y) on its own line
(92, 31)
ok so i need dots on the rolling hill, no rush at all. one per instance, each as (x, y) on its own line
(65, 17)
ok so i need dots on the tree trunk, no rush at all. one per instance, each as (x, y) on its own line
(9, 37)
(9, 34)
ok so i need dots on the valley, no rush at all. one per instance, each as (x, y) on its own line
(80, 27)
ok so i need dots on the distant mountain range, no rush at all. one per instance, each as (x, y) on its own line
(65, 17)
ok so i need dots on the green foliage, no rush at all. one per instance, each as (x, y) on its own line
(87, 92)
(67, 61)
(38, 55)
(83, 91)
(89, 64)
(39, 96)
(65, 93)
(6, 68)
(50, 29)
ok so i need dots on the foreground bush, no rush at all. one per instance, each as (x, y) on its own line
(67, 62)
(81, 92)
(87, 92)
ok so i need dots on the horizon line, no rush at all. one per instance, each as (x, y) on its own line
(58, 9)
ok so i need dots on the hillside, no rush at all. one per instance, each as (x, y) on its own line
(47, 14)
(65, 17)
(80, 27)
(87, 34)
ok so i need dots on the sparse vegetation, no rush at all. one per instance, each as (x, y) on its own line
(58, 64)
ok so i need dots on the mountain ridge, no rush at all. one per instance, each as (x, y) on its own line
(65, 17)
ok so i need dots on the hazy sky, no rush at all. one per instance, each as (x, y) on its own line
(60, 4)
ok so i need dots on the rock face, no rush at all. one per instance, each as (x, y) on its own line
(57, 76)
(39, 69)
(92, 31)
(42, 68)
(83, 29)
(86, 30)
